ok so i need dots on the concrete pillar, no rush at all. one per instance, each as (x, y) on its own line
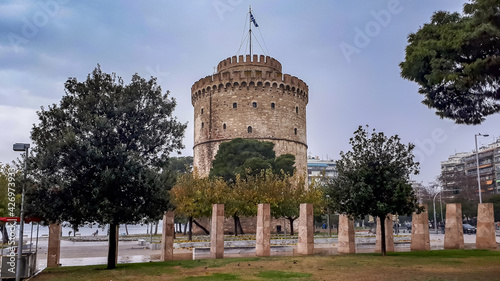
(347, 244)
(263, 234)
(167, 237)
(217, 232)
(485, 236)
(305, 245)
(54, 250)
(389, 236)
(453, 232)
(420, 240)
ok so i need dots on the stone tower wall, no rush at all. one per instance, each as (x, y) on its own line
(249, 93)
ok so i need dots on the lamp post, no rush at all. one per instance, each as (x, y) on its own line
(21, 147)
(477, 166)
(328, 217)
(434, 208)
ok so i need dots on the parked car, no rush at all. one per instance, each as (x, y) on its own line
(469, 229)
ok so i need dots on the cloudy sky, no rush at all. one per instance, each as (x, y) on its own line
(346, 51)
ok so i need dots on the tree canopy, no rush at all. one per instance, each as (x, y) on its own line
(373, 178)
(455, 59)
(247, 156)
(100, 155)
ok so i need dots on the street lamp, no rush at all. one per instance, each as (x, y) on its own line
(434, 208)
(328, 216)
(21, 147)
(477, 166)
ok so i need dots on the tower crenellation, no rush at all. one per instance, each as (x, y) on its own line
(250, 98)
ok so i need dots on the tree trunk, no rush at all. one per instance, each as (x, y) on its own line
(291, 225)
(202, 227)
(235, 219)
(185, 228)
(5, 236)
(382, 234)
(126, 229)
(156, 227)
(190, 228)
(113, 246)
(240, 227)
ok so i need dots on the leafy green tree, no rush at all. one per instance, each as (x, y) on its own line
(100, 154)
(455, 60)
(373, 178)
(495, 199)
(248, 156)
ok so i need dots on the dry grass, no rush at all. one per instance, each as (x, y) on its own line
(417, 266)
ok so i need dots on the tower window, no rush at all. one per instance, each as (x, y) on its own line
(295, 130)
(273, 105)
(224, 126)
(202, 111)
(296, 109)
(202, 125)
(249, 129)
(235, 105)
(254, 104)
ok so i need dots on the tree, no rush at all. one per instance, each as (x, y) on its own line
(248, 156)
(462, 189)
(495, 199)
(193, 197)
(373, 178)
(455, 60)
(100, 155)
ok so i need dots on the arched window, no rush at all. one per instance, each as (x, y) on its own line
(273, 105)
(254, 104)
(295, 130)
(224, 126)
(202, 125)
(296, 109)
(249, 129)
(202, 111)
(235, 105)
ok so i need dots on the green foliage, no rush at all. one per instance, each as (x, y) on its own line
(455, 60)
(180, 165)
(495, 199)
(249, 157)
(100, 154)
(373, 178)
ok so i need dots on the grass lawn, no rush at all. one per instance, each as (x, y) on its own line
(418, 266)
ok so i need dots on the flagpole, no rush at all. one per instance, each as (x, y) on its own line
(250, 24)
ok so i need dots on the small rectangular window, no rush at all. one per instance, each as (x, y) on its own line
(235, 105)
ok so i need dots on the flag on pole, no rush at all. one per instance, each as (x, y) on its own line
(253, 20)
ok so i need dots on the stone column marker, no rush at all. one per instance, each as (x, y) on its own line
(485, 234)
(263, 234)
(305, 245)
(217, 232)
(453, 232)
(54, 249)
(167, 237)
(347, 244)
(420, 240)
(389, 236)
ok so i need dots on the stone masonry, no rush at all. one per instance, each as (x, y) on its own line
(249, 98)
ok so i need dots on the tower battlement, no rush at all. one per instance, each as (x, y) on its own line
(259, 74)
(239, 61)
